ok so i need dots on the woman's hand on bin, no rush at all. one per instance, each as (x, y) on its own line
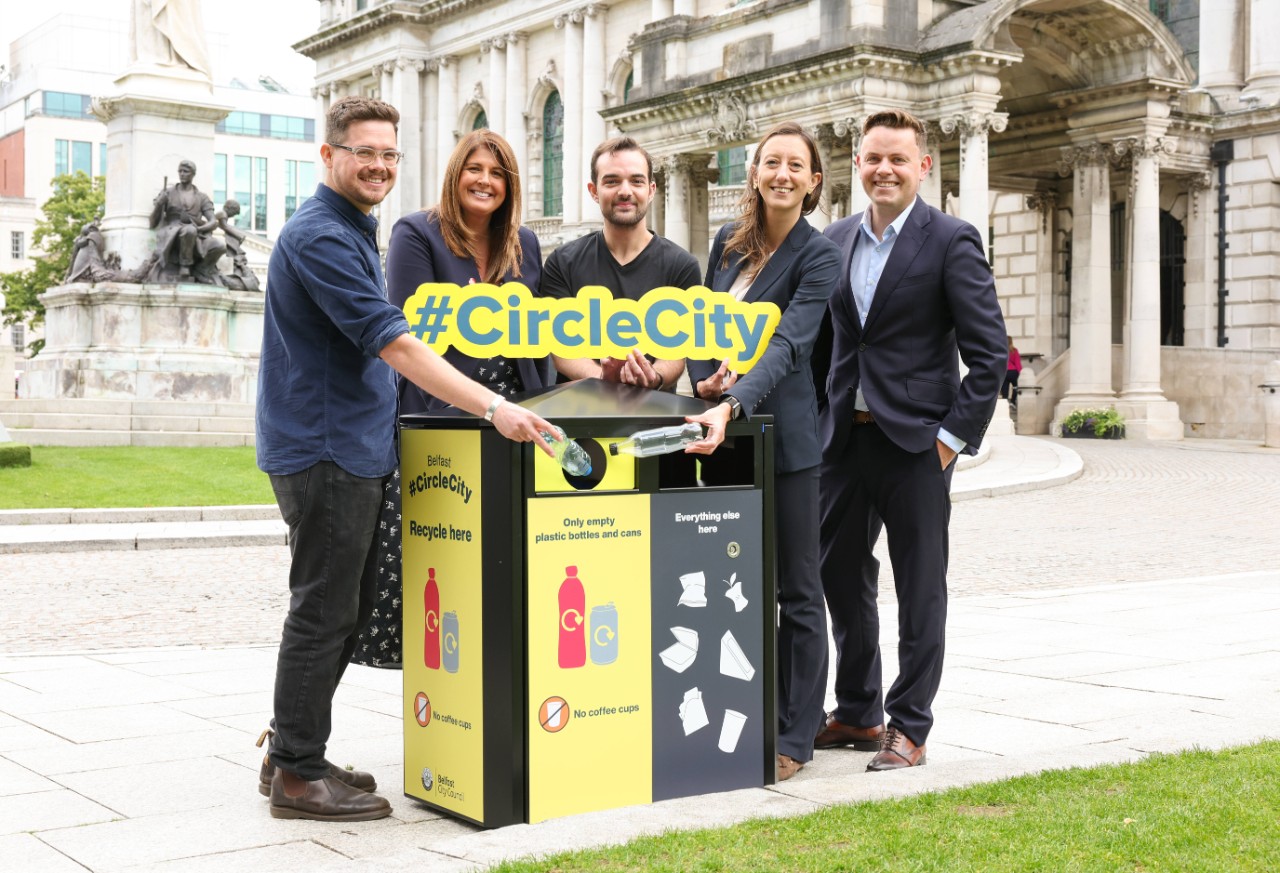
(714, 420)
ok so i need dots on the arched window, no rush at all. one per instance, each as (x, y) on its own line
(626, 88)
(481, 122)
(553, 155)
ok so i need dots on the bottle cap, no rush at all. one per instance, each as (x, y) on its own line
(571, 571)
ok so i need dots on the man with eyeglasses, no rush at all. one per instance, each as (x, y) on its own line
(326, 417)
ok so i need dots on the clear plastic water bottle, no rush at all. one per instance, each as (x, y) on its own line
(570, 455)
(659, 441)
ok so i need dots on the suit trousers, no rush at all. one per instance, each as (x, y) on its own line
(802, 620)
(332, 518)
(874, 486)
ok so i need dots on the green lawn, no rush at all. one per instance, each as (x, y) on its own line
(134, 476)
(1192, 812)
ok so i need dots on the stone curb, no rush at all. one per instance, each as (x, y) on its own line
(265, 512)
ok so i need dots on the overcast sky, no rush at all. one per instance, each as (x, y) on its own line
(264, 28)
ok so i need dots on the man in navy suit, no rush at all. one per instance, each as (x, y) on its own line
(915, 295)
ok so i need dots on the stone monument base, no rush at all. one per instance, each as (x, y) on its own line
(117, 341)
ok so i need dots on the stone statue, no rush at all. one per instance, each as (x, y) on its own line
(88, 257)
(184, 221)
(169, 33)
(241, 277)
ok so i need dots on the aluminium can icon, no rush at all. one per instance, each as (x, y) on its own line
(604, 634)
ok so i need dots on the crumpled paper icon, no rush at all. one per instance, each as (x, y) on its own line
(735, 593)
(733, 661)
(679, 656)
(693, 714)
(695, 589)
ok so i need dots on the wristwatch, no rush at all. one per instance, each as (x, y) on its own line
(735, 406)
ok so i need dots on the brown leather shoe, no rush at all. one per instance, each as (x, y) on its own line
(327, 799)
(898, 752)
(834, 735)
(788, 767)
(355, 778)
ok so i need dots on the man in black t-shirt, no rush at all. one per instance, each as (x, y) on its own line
(625, 257)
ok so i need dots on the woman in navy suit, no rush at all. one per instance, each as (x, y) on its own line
(771, 254)
(474, 235)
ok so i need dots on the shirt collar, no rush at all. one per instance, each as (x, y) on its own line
(364, 223)
(895, 225)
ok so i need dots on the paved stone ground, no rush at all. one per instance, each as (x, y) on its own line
(1140, 512)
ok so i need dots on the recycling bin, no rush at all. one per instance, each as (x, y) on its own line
(582, 643)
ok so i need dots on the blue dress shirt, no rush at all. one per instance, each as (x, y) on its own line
(323, 392)
(869, 257)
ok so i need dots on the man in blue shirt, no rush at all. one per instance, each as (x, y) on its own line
(325, 434)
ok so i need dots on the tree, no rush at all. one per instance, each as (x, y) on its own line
(76, 200)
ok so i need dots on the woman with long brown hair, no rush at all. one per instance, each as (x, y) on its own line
(474, 235)
(771, 254)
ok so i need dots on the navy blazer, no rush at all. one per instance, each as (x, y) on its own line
(417, 253)
(935, 304)
(799, 278)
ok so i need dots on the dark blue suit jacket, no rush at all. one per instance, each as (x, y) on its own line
(936, 297)
(799, 278)
(417, 253)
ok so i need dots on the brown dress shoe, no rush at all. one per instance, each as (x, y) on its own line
(834, 735)
(788, 767)
(327, 799)
(355, 778)
(898, 752)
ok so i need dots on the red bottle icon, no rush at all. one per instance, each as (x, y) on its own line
(573, 635)
(431, 605)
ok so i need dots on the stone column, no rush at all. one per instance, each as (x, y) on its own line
(931, 185)
(593, 87)
(446, 111)
(685, 7)
(1200, 293)
(1148, 414)
(513, 126)
(660, 9)
(675, 213)
(1045, 203)
(385, 73)
(321, 93)
(1222, 47)
(1263, 76)
(975, 206)
(687, 203)
(1089, 375)
(406, 95)
(825, 138)
(571, 98)
(495, 87)
(657, 220)
(858, 199)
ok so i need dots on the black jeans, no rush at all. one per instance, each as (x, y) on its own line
(332, 518)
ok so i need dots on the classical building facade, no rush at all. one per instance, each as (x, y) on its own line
(1119, 157)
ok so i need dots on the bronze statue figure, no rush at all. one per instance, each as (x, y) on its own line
(241, 277)
(184, 221)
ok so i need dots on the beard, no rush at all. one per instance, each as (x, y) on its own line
(631, 219)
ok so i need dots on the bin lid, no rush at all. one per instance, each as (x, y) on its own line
(593, 399)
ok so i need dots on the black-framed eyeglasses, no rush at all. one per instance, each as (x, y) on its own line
(365, 155)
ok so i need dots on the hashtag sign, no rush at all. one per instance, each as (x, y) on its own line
(433, 316)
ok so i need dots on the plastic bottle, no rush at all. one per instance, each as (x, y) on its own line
(431, 610)
(573, 606)
(570, 455)
(659, 441)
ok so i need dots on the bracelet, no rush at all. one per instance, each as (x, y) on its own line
(662, 381)
(498, 400)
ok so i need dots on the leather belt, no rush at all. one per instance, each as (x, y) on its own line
(861, 416)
